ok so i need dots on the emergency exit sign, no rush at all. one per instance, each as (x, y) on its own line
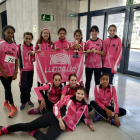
(45, 17)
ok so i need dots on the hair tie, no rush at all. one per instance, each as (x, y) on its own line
(45, 29)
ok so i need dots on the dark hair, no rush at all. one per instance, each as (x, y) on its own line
(81, 88)
(105, 74)
(57, 74)
(28, 33)
(78, 31)
(39, 41)
(72, 75)
(7, 27)
(112, 25)
(94, 28)
(62, 29)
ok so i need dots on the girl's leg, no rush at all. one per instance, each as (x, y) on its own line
(89, 72)
(97, 74)
(45, 120)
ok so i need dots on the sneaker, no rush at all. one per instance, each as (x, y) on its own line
(34, 111)
(112, 121)
(22, 106)
(1, 130)
(97, 118)
(13, 111)
(30, 104)
(7, 106)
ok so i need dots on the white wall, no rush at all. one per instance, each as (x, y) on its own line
(22, 14)
(61, 10)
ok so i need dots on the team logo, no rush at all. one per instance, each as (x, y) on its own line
(13, 49)
(108, 91)
(97, 44)
(60, 58)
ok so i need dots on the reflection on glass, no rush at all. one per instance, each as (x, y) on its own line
(118, 20)
(83, 26)
(134, 57)
(83, 6)
(99, 21)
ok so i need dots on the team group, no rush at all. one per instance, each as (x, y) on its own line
(61, 108)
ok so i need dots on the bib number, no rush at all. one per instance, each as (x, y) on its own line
(9, 59)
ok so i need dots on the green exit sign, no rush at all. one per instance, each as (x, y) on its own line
(72, 15)
(45, 17)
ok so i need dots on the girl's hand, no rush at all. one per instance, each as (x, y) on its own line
(88, 51)
(39, 50)
(58, 48)
(43, 104)
(32, 53)
(92, 127)
(66, 48)
(52, 50)
(108, 112)
(14, 76)
(4, 74)
(61, 124)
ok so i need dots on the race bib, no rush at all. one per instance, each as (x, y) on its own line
(9, 59)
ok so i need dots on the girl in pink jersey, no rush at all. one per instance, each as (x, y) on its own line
(26, 59)
(44, 43)
(104, 93)
(61, 43)
(80, 46)
(71, 87)
(53, 93)
(113, 49)
(94, 47)
(66, 115)
(8, 66)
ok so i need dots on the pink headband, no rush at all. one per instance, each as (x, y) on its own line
(44, 29)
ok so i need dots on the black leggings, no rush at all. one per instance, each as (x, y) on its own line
(89, 72)
(7, 86)
(44, 121)
(100, 111)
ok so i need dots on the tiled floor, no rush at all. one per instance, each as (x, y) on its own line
(128, 89)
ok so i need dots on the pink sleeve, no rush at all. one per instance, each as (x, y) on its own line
(18, 52)
(58, 105)
(86, 119)
(37, 91)
(115, 100)
(97, 98)
(36, 47)
(104, 47)
(117, 58)
(87, 46)
(64, 91)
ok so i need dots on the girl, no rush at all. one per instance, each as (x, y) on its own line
(104, 92)
(26, 58)
(78, 37)
(61, 43)
(94, 47)
(66, 115)
(44, 43)
(53, 90)
(113, 49)
(70, 89)
(8, 66)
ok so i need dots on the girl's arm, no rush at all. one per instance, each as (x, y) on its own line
(16, 70)
(64, 92)
(4, 74)
(99, 52)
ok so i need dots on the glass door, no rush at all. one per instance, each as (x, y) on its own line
(133, 61)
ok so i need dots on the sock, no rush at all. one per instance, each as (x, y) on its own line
(4, 130)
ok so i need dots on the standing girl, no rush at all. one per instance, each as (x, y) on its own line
(61, 43)
(26, 58)
(66, 115)
(113, 49)
(53, 93)
(44, 43)
(8, 66)
(94, 47)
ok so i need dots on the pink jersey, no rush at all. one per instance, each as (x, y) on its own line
(94, 60)
(71, 111)
(53, 94)
(113, 49)
(103, 97)
(43, 46)
(67, 90)
(82, 46)
(8, 54)
(61, 44)
(25, 59)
